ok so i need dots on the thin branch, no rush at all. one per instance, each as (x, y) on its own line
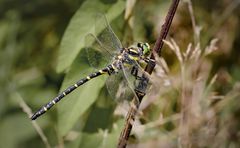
(28, 111)
(149, 68)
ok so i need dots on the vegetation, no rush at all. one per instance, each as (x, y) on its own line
(193, 100)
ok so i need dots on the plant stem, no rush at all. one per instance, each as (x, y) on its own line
(149, 68)
(28, 111)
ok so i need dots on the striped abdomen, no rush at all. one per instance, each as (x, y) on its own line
(108, 70)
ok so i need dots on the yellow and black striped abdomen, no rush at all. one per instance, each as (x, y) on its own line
(46, 107)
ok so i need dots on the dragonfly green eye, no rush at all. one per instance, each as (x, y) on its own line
(146, 48)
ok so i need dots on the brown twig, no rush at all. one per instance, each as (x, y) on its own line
(28, 111)
(149, 68)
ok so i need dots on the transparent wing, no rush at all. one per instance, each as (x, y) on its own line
(102, 49)
(106, 35)
(122, 84)
(98, 56)
(118, 87)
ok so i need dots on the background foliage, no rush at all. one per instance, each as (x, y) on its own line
(40, 54)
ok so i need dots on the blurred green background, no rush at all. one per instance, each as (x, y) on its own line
(41, 54)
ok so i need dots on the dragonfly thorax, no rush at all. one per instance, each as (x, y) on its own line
(132, 55)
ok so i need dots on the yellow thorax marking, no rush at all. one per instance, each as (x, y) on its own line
(114, 67)
(133, 58)
(120, 57)
(126, 64)
(132, 50)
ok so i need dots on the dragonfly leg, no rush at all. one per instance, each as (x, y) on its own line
(152, 62)
(141, 84)
(134, 71)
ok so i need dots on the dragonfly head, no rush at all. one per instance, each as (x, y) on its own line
(145, 48)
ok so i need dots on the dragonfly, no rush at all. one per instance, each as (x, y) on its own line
(120, 62)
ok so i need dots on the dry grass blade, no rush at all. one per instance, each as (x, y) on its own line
(28, 111)
(196, 52)
(129, 8)
(175, 48)
(212, 47)
(188, 52)
(196, 29)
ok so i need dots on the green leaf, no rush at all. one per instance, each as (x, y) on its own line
(80, 25)
(101, 139)
(73, 40)
(15, 129)
(93, 123)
